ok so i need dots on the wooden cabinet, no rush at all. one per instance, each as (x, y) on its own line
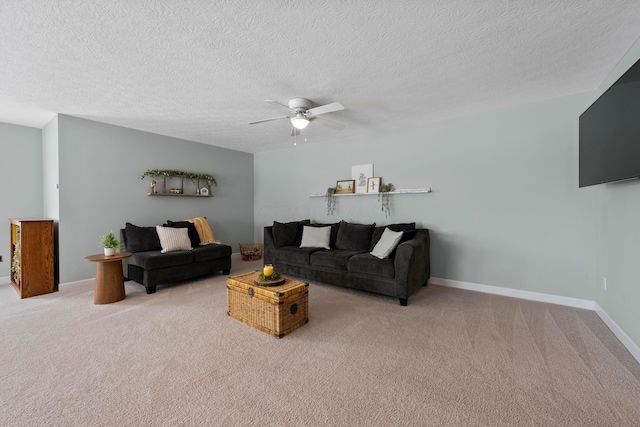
(32, 256)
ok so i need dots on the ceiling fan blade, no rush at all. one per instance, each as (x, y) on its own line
(268, 120)
(329, 123)
(324, 109)
(279, 103)
(295, 131)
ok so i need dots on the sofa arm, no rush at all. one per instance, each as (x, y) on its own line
(412, 264)
(269, 246)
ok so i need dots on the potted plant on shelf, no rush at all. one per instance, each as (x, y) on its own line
(383, 196)
(109, 243)
(331, 201)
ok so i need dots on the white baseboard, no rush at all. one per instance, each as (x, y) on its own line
(552, 299)
(515, 293)
(5, 280)
(618, 332)
(79, 282)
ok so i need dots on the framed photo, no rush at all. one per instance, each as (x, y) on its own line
(360, 174)
(346, 186)
(373, 184)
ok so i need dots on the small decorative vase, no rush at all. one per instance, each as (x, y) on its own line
(109, 251)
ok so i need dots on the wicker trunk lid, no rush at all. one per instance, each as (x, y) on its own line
(276, 310)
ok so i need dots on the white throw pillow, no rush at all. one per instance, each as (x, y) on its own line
(387, 243)
(173, 239)
(315, 237)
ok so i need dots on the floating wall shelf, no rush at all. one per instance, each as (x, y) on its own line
(178, 195)
(399, 191)
(194, 177)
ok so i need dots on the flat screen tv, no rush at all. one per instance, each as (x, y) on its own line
(610, 133)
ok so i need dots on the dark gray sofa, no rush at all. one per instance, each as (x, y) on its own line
(150, 267)
(348, 262)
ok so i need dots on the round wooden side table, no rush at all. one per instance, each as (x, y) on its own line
(109, 278)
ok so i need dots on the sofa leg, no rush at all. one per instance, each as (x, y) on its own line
(227, 271)
(150, 289)
(403, 302)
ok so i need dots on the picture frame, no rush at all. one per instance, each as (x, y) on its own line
(346, 186)
(373, 184)
(360, 173)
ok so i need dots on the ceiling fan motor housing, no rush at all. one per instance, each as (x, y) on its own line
(299, 104)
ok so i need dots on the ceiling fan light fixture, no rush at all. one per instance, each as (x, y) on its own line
(299, 121)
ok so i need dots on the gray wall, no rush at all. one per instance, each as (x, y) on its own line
(50, 168)
(618, 236)
(21, 177)
(100, 189)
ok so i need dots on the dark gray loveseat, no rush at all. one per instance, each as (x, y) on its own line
(348, 262)
(149, 267)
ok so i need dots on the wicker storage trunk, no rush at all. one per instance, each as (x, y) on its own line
(276, 310)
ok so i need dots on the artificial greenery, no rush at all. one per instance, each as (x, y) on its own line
(193, 176)
(383, 196)
(16, 270)
(109, 241)
(331, 201)
(274, 276)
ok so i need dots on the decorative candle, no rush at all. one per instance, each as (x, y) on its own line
(267, 270)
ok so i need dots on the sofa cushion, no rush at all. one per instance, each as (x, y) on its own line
(377, 233)
(295, 255)
(140, 239)
(368, 264)
(211, 252)
(173, 239)
(335, 258)
(152, 260)
(315, 237)
(354, 237)
(387, 243)
(194, 237)
(288, 233)
(334, 231)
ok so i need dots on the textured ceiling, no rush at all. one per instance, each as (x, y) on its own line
(201, 70)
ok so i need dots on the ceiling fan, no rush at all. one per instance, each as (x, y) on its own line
(301, 114)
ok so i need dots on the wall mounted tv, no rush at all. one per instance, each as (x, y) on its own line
(610, 133)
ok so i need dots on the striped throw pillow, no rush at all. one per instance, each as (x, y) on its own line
(173, 239)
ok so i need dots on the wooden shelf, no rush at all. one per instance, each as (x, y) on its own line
(168, 180)
(178, 195)
(399, 191)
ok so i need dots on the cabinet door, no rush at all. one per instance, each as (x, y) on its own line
(34, 238)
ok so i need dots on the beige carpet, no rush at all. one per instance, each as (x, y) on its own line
(452, 357)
